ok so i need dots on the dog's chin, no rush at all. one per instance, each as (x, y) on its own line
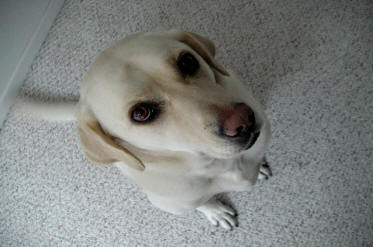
(233, 150)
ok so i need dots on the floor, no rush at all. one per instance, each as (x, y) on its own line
(310, 63)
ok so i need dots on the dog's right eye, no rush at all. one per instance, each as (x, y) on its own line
(144, 112)
(187, 64)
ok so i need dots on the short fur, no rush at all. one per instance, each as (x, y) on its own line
(178, 159)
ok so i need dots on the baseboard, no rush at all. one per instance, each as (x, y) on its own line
(24, 25)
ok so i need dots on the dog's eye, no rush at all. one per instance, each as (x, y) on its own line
(187, 64)
(143, 112)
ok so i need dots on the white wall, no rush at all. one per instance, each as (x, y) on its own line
(24, 25)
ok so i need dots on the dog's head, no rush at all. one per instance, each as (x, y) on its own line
(165, 91)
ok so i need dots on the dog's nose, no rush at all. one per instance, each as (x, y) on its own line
(237, 120)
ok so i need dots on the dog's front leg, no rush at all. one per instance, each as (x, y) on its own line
(265, 171)
(219, 214)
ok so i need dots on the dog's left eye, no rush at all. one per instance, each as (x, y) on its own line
(144, 112)
(187, 64)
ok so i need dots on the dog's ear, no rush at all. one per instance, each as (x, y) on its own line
(204, 47)
(100, 147)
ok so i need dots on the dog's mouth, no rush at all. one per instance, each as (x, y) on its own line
(247, 139)
(252, 139)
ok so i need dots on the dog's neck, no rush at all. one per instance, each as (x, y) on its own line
(166, 161)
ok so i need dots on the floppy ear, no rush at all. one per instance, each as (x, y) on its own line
(204, 47)
(100, 147)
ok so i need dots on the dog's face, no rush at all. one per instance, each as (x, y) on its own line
(165, 92)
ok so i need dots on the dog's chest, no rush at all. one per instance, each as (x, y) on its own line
(230, 175)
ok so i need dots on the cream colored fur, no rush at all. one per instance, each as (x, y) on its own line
(178, 159)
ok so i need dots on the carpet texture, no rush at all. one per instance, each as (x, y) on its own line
(309, 62)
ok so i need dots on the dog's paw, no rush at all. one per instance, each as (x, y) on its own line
(219, 214)
(265, 171)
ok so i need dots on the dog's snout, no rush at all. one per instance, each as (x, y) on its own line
(237, 120)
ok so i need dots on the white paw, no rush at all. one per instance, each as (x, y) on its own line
(219, 214)
(265, 171)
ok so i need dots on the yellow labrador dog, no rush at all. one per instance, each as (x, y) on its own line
(176, 122)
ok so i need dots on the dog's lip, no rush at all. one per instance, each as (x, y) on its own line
(252, 140)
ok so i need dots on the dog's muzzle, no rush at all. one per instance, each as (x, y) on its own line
(238, 124)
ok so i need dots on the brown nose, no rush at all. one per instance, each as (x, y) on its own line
(237, 120)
